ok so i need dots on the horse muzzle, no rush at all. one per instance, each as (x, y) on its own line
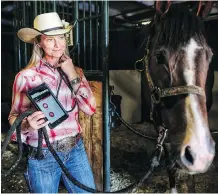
(197, 158)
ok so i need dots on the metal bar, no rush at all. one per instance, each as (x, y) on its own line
(76, 30)
(90, 35)
(35, 8)
(84, 36)
(29, 22)
(44, 2)
(106, 123)
(54, 6)
(15, 38)
(24, 24)
(18, 40)
(96, 28)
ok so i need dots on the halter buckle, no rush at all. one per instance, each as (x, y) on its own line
(156, 95)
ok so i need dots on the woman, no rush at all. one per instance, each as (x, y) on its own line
(50, 52)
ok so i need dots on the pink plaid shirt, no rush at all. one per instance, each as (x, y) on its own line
(32, 77)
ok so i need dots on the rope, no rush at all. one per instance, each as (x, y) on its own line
(17, 125)
(128, 126)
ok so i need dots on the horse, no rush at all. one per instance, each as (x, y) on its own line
(176, 87)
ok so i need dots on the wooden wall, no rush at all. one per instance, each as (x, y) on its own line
(93, 135)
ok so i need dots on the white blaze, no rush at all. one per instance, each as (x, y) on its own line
(189, 71)
(195, 123)
(190, 77)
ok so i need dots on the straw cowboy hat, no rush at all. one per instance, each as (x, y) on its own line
(48, 24)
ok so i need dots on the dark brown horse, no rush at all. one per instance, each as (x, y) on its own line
(178, 58)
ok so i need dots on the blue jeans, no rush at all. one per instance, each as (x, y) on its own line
(43, 176)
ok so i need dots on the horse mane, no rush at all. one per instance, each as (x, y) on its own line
(178, 26)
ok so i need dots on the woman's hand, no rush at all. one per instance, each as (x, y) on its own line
(36, 121)
(67, 66)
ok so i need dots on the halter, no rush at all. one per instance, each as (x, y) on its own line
(157, 93)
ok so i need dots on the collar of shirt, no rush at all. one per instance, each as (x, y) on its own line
(43, 68)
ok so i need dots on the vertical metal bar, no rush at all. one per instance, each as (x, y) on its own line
(96, 37)
(90, 35)
(19, 45)
(106, 123)
(27, 23)
(76, 30)
(44, 3)
(35, 8)
(15, 38)
(24, 24)
(54, 6)
(84, 36)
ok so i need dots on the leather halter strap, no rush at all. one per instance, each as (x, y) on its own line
(172, 91)
(158, 93)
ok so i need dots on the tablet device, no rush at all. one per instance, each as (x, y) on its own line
(44, 100)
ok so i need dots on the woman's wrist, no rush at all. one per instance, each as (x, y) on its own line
(73, 75)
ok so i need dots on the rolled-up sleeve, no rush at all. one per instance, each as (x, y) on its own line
(84, 96)
(20, 102)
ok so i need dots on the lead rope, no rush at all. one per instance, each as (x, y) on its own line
(154, 162)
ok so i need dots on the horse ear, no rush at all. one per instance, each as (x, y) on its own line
(162, 7)
(204, 8)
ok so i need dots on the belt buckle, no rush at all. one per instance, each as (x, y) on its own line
(67, 144)
(61, 148)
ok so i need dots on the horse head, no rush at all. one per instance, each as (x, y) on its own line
(178, 60)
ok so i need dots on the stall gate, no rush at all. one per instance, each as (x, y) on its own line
(90, 52)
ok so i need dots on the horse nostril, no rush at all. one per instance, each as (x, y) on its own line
(189, 155)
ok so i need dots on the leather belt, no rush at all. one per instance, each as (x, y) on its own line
(66, 144)
(63, 145)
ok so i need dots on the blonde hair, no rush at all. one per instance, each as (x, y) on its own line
(38, 53)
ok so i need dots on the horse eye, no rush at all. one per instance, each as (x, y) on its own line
(160, 58)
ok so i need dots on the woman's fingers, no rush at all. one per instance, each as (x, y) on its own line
(45, 123)
(67, 57)
(37, 114)
(63, 58)
(41, 121)
(36, 120)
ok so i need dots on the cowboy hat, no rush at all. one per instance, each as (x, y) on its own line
(48, 24)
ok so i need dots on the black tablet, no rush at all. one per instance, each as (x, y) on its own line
(44, 100)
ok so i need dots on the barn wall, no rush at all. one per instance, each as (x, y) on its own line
(127, 84)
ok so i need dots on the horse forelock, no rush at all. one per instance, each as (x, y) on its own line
(178, 26)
